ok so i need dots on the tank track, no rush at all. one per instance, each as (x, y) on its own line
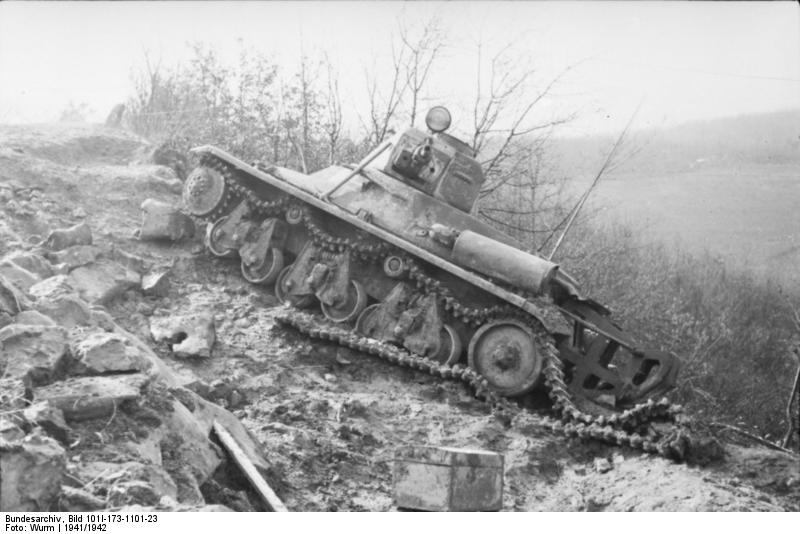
(631, 428)
(623, 429)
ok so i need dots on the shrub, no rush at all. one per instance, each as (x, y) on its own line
(734, 333)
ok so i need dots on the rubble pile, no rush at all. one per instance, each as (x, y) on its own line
(90, 416)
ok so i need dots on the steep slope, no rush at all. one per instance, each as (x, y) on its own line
(330, 419)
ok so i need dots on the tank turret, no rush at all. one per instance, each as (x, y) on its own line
(437, 163)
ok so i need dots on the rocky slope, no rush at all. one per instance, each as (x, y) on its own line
(119, 353)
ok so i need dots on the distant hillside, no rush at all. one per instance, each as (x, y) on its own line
(726, 186)
(758, 139)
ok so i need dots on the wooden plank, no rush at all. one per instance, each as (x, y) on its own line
(249, 470)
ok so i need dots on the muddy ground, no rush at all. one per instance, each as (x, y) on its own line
(328, 419)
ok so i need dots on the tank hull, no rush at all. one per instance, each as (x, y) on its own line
(404, 267)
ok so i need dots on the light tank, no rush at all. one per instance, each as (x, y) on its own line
(390, 249)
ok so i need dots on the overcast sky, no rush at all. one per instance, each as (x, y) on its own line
(687, 60)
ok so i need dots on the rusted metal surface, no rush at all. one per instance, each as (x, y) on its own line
(446, 479)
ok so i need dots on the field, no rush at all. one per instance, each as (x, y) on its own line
(748, 216)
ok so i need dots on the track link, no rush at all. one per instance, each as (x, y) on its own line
(620, 429)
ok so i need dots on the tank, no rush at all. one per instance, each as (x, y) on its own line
(389, 248)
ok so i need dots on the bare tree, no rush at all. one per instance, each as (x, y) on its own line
(413, 54)
(503, 115)
(510, 140)
(306, 97)
(421, 51)
(332, 122)
(383, 104)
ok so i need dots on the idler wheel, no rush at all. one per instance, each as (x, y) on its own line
(213, 235)
(350, 309)
(267, 270)
(504, 352)
(450, 346)
(204, 192)
(282, 292)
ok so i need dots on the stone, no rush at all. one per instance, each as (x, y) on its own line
(144, 308)
(33, 317)
(161, 220)
(49, 288)
(188, 487)
(79, 213)
(114, 474)
(68, 310)
(9, 431)
(11, 301)
(131, 261)
(15, 394)
(156, 283)
(33, 262)
(103, 319)
(169, 157)
(132, 492)
(186, 443)
(22, 278)
(32, 474)
(448, 479)
(188, 335)
(33, 351)
(75, 256)
(163, 373)
(103, 280)
(80, 234)
(49, 419)
(103, 352)
(60, 268)
(147, 449)
(206, 413)
(78, 500)
(601, 465)
(91, 397)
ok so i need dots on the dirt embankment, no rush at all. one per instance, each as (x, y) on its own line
(326, 420)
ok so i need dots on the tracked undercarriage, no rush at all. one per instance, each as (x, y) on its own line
(397, 266)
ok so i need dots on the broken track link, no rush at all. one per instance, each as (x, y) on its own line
(618, 428)
(615, 430)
